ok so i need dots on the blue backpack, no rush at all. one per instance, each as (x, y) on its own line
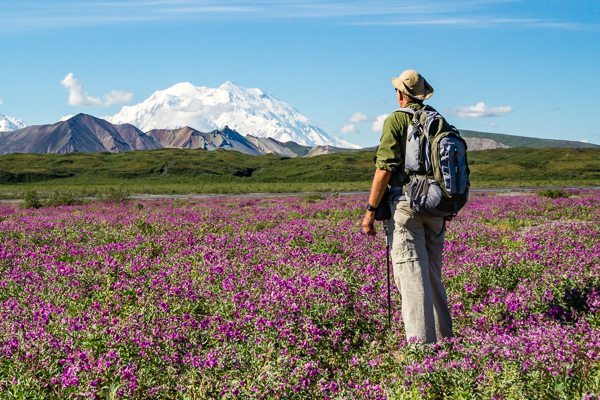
(436, 165)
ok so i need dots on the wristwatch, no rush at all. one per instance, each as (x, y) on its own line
(370, 207)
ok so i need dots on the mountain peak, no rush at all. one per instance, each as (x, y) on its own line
(183, 85)
(80, 116)
(181, 89)
(230, 84)
(246, 111)
(8, 123)
(85, 118)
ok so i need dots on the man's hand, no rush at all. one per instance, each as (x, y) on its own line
(378, 186)
(368, 224)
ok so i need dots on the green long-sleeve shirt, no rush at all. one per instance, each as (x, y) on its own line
(392, 145)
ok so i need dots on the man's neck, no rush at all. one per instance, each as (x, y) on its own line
(405, 104)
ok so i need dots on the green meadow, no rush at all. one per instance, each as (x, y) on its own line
(182, 171)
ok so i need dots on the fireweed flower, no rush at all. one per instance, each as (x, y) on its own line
(284, 298)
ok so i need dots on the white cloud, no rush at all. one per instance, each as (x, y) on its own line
(584, 141)
(348, 128)
(358, 117)
(480, 110)
(378, 123)
(77, 94)
(1, 101)
(79, 98)
(118, 97)
(66, 117)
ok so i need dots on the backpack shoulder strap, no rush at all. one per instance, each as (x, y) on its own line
(407, 110)
(415, 115)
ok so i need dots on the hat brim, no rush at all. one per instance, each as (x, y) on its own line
(427, 89)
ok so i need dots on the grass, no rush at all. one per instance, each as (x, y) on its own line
(187, 171)
(522, 141)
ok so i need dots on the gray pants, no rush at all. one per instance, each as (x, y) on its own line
(416, 245)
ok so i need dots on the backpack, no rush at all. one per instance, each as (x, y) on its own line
(436, 165)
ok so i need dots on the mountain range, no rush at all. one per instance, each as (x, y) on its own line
(84, 133)
(228, 117)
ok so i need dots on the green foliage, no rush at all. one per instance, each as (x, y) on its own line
(63, 198)
(114, 195)
(31, 200)
(505, 276)
(554, 193)
(144, 227)
(314, 197)
(326, 247)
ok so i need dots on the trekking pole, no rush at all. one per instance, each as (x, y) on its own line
(387, 267)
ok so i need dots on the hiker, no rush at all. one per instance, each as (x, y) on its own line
(416, 240)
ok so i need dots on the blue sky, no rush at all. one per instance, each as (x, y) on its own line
(529, 68)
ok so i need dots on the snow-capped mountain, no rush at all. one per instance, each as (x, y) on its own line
(8, 123)
(247, 111)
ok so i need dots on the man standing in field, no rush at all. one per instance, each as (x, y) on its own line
(416, 240)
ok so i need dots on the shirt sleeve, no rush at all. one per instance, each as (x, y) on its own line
(388, 154)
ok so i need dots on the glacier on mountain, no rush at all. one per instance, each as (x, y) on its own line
(248, 111)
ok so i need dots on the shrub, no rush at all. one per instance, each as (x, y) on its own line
(114, 195)
(31, 200)
(63, 198)
(314, 197)
(554, 193)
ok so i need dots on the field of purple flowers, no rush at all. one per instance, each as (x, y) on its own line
(284, 298)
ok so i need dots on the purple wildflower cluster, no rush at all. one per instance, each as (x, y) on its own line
(284, 298)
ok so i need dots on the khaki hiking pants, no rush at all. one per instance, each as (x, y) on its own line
(416, 245)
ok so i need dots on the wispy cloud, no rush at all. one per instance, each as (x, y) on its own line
(78, 97)
(28, 14)
(472, 22)
(480, 110)
(210, 10)
(1, 101)
(21, 16)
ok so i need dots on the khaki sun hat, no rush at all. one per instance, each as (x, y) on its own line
(411, 83)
